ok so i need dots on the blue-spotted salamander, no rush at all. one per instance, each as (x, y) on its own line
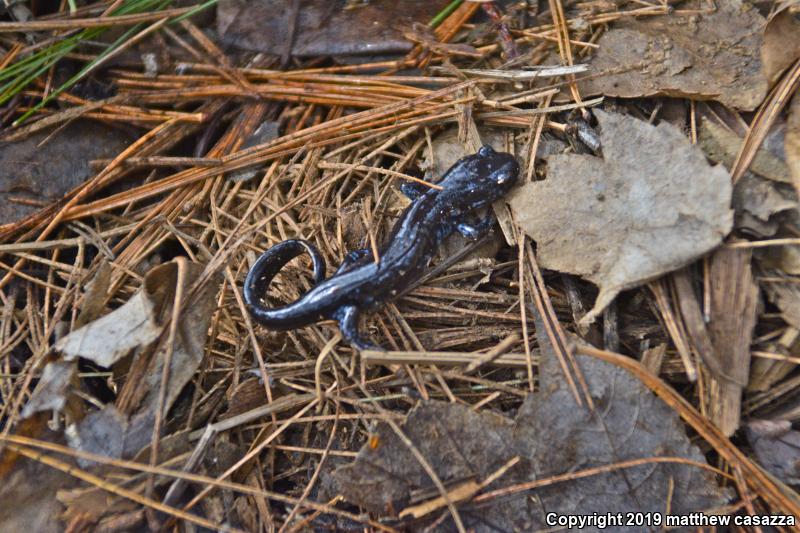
(360, 283)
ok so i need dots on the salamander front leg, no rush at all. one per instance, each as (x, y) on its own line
(413, 190)
(352, 260)
(473, 231)
(348, 325)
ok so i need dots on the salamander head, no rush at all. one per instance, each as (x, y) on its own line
(483, 177)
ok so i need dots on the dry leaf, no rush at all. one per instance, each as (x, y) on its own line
(102, 432)
(267, 131)
(321, 27)
(51, 391)
(123, 429)
(704, 56)
(756, 200)
(94, 297)
(786, 296)
(781, 43)
(113, 336)
(629, 422)
(28, 496)
(651, 205)
(791, 142)
(722, 146)
(552, 436)
(777, 447)
(89, 505)
(42, 168)
(457, 441)
(788, 259)
(784, 291)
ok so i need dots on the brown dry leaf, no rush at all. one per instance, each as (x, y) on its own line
(42, 168)
(28, 496)
(788, 259)
(629, 422)
(703, 56)
(791, 142)
(552, 436)
(784, 292)
(123, 429)
(756, 196)
(267, 131)
(651, 205)
(321, 27)
(246, 396)
(51, 391)
(781, 44)
(777, 447)
(786, 296)
(94, 297)
(88, 504)
(457, 441)
(756, 200)
(722, 146)
(114, 335)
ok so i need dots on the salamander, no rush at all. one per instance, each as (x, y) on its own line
(361, 284)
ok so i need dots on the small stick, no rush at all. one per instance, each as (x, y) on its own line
(493, 354)
(402, 357)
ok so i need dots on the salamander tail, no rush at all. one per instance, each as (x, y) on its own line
(266, 268)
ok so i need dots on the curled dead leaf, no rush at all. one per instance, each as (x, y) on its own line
(123, 428)
(781, 44)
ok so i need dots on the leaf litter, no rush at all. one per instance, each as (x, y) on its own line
(628, 423)
(131, 330)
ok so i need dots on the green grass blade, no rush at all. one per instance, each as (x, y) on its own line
(81, 73)
(444, 13)
(26, 70)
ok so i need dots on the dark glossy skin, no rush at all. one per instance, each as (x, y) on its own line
(360, 284)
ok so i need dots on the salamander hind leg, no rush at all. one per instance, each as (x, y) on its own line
(473, 231)
(413, 190)
(353, 259)
(347, 317)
